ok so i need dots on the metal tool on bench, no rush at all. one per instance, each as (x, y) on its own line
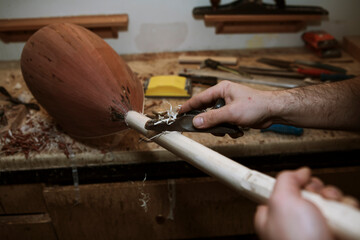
(296, 63)
(257, 7)
(183, 123)
(283, 73)
(219, 75)
(284, 129)
(322, 43)
(16, 101)
(325, 72)
(217, 65)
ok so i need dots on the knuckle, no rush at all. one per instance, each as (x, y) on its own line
(210, 118)
(226, 84)
(284, 175)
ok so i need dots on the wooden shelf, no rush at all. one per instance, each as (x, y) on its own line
(260, 23)
(19, 30)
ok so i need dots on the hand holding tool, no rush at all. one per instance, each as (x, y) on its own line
(183, 123)
(85, 84)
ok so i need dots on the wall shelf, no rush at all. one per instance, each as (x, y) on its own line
(19, 30)
(260, 23)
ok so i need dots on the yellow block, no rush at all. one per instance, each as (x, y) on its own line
(168, 86)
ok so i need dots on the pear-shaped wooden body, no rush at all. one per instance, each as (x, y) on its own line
(80, 80)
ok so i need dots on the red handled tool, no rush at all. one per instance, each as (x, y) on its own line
(317, 69)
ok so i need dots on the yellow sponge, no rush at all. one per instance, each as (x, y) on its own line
(168, 86)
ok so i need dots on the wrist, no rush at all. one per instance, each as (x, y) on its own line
(278, 106)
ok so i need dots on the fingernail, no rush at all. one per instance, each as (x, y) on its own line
(198, 121)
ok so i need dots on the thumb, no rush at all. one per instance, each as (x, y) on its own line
(211, 118)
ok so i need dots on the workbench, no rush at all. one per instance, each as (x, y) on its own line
(126, 187)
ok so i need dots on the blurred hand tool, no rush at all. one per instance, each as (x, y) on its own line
(315, 64)
(319, 39)
(284, 129)
(216, 65)
(199, 59)
(301, 73)
(335, 77)
(205, 80)
(284, 83)
(16, 101)
(322, 43)
(317, 67)
(285, 73)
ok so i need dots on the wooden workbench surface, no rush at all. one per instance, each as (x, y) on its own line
(44, 145)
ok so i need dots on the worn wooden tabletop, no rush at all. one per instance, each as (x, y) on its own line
(39, 143)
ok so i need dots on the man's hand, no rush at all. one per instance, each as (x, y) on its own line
(246, 107)
(329, 105)
(288, 216)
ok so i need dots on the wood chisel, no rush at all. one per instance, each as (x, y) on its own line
(325, 72)
(272, 72)
(321, 65)
(217, 65)
(295, 65)
(288, 83)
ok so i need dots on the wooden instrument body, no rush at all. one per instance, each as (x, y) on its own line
(80, 80)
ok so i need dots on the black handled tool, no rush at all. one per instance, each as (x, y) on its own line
(183, 123)
(292, 64)
(217, 65)
(16, 101)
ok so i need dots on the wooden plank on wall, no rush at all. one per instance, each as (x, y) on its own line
(106, 26)
(239, 23)
(261, 18)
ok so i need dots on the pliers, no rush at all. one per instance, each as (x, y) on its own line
(183, 123)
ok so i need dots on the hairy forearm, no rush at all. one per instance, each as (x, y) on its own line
(330, 105)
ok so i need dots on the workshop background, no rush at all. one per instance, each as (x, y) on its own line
(168, 25)
(125, 186)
